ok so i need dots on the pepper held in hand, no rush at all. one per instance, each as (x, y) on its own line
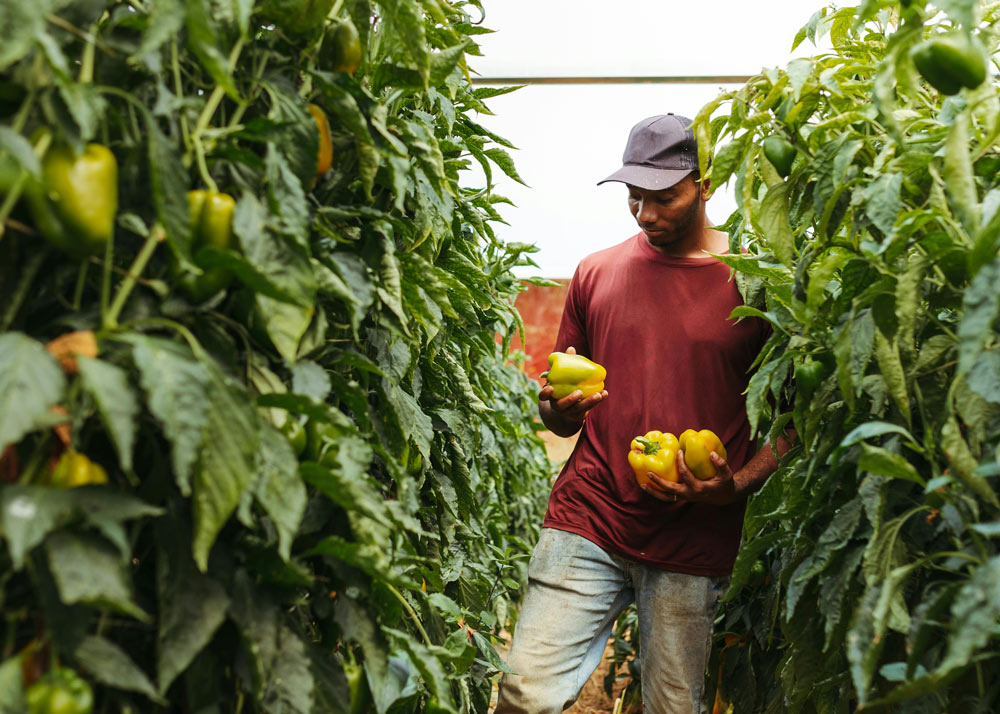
(656, 452)
(568, 373)
(697, 447)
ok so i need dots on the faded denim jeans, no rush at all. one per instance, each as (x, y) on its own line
(576, 590)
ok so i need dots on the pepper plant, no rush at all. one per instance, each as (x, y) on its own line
(262, 447)
(868, 578)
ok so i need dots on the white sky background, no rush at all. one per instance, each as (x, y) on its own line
(569, 137)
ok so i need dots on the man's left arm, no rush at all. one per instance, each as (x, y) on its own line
(725, 487)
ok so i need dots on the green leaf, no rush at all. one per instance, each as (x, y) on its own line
(980, 311)
(110, 389)
(268, 263)
(225, 465)
(961, 11)
(404, 19)
(877, 460)
(30, 384)
(279, 490)
(109, 665)
(954, 446)
(503, 160)
(287, 197)
(883, 201)
(297, 145)
(345, 108)
(20, 24)
(277, 656)
(176, 391)
(370, 559)
(973, 615)
(853, 349)
(959, 179)
(88, 570)
(203, 41)
(12, 687)
(192, 605)
(727, 158)
(415, 424)
(19, 148)
(28, 514)
(874, 428)
(891, 366)
(166, 18)
(169, 183)
(773, 224)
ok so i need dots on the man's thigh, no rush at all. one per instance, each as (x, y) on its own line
(676, 612)
(575, 592)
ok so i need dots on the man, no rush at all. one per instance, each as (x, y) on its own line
(653, 311)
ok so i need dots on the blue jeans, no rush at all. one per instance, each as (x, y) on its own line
(576, 590)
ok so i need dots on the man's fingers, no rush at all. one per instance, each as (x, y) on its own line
(686, 477)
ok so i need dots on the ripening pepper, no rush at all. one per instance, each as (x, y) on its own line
(60, 691)
(780, 152)
(697, 447)
(656, 452)
(324, 154)
(75, 469)
(950, 61)
(568, 373)
(341, 48)
(75, 203)
(297, 17)
(211, 216)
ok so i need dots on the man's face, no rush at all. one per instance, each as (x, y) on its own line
(668, 214)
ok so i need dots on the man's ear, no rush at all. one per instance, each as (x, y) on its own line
(706, 189)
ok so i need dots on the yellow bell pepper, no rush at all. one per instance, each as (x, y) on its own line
(656, 452)
(75, 469)
(568, 373)
(697, 447)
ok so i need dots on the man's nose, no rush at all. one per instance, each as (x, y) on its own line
(645, 212)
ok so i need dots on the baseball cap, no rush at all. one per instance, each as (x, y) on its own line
(661, 151)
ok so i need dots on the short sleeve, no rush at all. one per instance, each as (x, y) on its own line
(572, 326)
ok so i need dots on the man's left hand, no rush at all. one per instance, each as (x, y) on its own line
(720, 490)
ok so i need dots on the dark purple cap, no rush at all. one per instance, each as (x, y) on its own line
(661, 151)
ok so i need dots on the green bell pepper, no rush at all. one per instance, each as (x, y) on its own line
(950, 61)
(212, 227)
(75, 204)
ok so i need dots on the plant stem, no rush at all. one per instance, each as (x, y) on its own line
(27, 277)
(184, 332)
(81, 279)
(87, 61)
(125, 289)
(10, 200)
(179, 90)
(412, 613)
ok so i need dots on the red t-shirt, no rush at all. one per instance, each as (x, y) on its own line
(658, 324)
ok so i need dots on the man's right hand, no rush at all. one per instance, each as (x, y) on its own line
(564, 417)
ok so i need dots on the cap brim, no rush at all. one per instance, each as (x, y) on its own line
(647, 177)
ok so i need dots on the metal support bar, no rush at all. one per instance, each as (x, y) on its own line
(707, 79)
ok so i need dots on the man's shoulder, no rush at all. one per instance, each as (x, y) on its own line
(608, 256)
